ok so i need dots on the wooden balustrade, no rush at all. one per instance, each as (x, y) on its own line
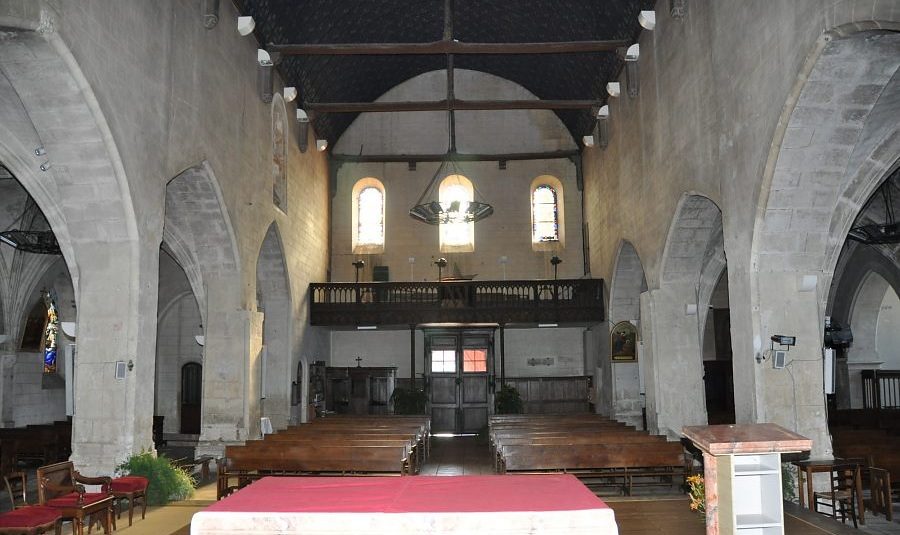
(412, 303)
(881, 389)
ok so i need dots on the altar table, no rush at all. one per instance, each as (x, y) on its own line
(495, 504)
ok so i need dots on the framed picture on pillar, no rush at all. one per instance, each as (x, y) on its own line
(623, 342)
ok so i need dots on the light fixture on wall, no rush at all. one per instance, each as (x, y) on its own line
(603, 125)
(321, 145)
(632, 79)
(429, 209)
(264, 75)
(441, 263)
(555, 261)
(68, 328)
(614, 89)
(289, 93)
(588, 141)
(303, 131)
(245, 25)
(647, 20)
(359, 264)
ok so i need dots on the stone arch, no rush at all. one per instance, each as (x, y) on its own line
(864, 320)
(55, 139)
(198, 231)
(628, 283)
(673, 332)
(837, 140)
(273, 292)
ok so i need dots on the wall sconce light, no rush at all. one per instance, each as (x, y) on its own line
(632, 81)
(555, 261)
(290, 94)
(303, 132)
(603, 125)
(200, 339)
(614, 89)
(211, 14)
(690, 309)
(647, 20)
(264, 75)
(245, 25)
(68, 328)
(321, 145)
(588, 141)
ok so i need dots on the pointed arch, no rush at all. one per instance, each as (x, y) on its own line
(627, 284)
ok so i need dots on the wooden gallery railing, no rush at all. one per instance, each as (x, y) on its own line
(881, 389)
(413, 303)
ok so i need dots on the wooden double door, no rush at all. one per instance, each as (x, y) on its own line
(459, 367)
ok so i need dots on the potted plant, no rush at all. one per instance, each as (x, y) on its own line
(508, 401)
(167, 482)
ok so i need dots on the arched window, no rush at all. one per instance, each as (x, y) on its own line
(368, 216)
(455, 194)
(546, 213)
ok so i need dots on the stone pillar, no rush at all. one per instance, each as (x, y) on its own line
(230, 405)
(678, 397)
(116, 323)
(277, 404)
(793, 397)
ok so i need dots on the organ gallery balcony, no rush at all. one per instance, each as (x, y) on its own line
(413, 303)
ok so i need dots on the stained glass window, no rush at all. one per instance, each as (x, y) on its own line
(51, 332)
(544, 215)
(370, 217)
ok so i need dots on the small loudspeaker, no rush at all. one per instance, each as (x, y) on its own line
(120, 369)
(778, 359)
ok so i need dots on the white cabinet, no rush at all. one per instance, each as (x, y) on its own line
(750, 500)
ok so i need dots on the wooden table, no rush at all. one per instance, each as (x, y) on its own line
(514, 504)
(808, 467)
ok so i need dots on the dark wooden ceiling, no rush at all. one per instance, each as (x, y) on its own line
(364, 78)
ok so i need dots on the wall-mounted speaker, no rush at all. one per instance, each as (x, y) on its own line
(779, 358)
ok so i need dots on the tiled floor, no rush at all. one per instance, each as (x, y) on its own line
(458, 456)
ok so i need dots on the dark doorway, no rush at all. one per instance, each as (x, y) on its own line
(458, 367)
(191, 388)
(717, 374)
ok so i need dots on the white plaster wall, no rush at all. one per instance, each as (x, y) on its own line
(564, 345)
(33, 404)
(887, 339)
(377, 348)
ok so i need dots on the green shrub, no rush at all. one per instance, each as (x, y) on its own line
(508, 401)
(409, 401)
(167, 481)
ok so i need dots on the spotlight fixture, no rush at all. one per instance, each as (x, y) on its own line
(245, 25)
(321, 145)
(303, 132)
(614, 89)
(632, 80)
(290, 94)
(647, 20)
(603, 125)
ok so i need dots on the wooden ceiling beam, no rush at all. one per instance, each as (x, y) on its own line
(445, 47)
(456, 157)
(443, 105)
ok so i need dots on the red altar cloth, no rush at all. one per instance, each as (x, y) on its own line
(556, 504)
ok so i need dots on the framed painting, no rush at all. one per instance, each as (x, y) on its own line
(623, 342)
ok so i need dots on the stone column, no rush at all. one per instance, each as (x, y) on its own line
(678, 397)
(116, 324)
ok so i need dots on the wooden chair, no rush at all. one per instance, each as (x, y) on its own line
(25, 519)
(131, 488)
(841, 499)
(880, 489)
(59, 487)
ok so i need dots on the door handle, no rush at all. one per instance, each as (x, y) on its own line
(458, 381)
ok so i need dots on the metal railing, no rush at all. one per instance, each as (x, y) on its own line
(881, 389)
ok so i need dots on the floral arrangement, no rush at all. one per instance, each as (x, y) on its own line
(697, 492)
